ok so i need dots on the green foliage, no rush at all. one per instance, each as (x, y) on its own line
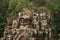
(3, 9)
(17, 5)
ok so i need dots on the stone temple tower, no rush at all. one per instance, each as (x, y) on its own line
(28, 25)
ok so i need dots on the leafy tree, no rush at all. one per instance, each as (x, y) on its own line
(3, 9)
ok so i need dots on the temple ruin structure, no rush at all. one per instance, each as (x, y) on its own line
(28, 26)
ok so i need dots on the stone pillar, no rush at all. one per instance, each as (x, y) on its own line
(36, 20)
(44, 24)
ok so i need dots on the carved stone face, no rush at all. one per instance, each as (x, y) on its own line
(45, 15)
(24, 16)
(35, 15)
